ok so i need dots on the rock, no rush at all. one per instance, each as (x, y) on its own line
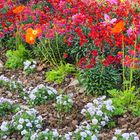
(9, 94)
(74, 82)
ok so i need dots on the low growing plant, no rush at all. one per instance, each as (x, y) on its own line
(58, 74)
(7, 106)
(29, 66)
(11, 85)
(64, 103)
(16, 57)
(24, 122)
(40, 95)
(127, 100)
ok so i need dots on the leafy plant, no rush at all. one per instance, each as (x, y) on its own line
(7, 107)
(16, 57)
(58, 74)
(64, 103)
(99, 79)
(125, 100)
(40, 95)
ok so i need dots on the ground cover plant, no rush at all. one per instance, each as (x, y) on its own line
(69, 69)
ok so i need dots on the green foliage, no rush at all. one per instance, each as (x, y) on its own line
(16, 57)
(59, 73)
(40, 95)
(124, 101)
(99, 79)
(7, 107)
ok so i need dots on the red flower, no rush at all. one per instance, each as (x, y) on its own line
(94, 53)
(89, 66)
(105, 62)
(65, 55)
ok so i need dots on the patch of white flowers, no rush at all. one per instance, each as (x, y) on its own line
(24, 122)
(3, 100)
(46, 135)
(40, 94)
(99, 111)
(118, 135)
(10, 84)
(64, 103)
(85, 132)
(29, 66)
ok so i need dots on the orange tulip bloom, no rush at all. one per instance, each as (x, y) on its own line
(119, 27)
(18, 9)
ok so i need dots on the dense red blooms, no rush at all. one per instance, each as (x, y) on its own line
(92, 24)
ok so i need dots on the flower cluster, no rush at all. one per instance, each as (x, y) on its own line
(46, 134)
(85, 132)
(64, 103)
(118, 135)
(99, 112)
(40, 94)
(11, 84)
(29, 66)
(24, 121)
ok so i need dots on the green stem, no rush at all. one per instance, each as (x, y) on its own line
(54, 58)
(47, 52)
(58, 47)
(123, 63)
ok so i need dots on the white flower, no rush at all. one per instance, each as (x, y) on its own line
(100, 113)
(103, 123)
(33, 137)
(133, 134)
(32, 96)
(4, 126)
(67, 137)
(83, 111)
(88, 132)
(136, 138)
(125, 135)
(19, 127)
(94, 137)
(24, 132)
(89, 105)
(64, 103)
(21, 120)
(109, 107)
(118, 132)
(55, 133)
(83, 134)
(29, 124)
(40, 117)
(38, 126)
(94, 121)
(114, 138)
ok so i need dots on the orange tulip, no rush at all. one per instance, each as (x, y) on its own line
(119, 27)
(18, 9)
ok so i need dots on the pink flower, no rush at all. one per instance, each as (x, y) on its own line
(108, 20)
(129, 31)
(113, 1)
